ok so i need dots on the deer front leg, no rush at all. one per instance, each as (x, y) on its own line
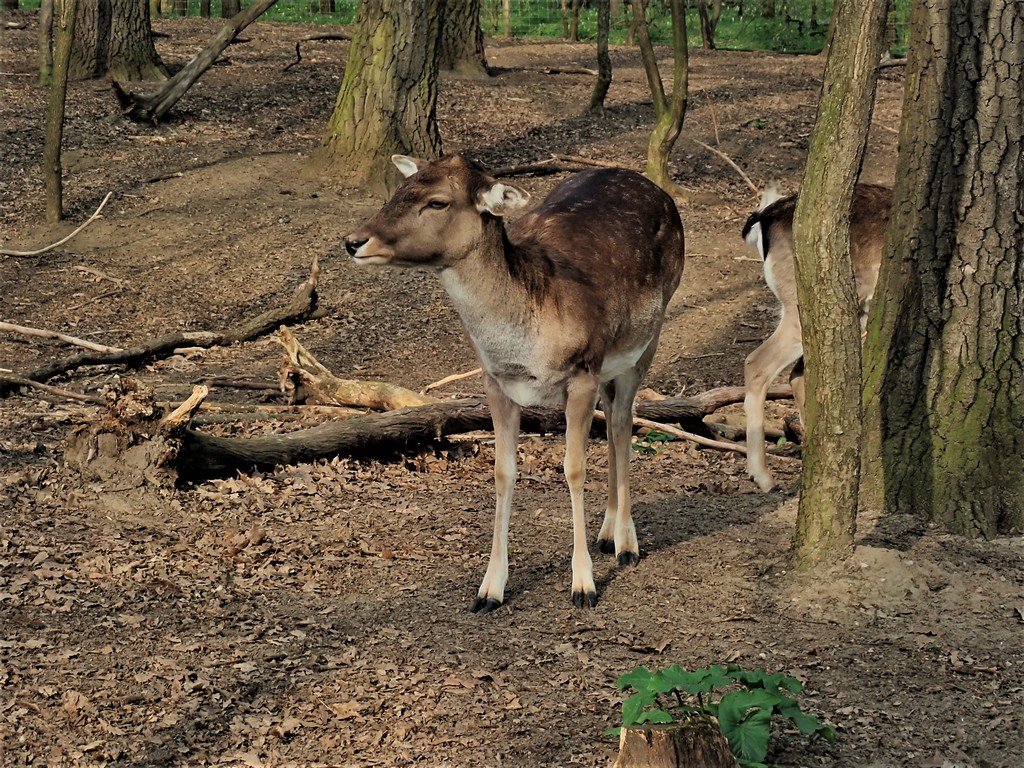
(579, 413)
(766, 362)
(505, 414)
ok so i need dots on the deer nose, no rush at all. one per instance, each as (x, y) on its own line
(353, 244)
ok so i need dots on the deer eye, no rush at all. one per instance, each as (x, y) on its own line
(438, 205)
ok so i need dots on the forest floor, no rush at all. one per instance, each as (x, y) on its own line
(318, 614)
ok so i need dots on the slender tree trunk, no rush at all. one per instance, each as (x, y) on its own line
(181, 8)
(506, 18)
(768, 9)
(204, 9)
(604, 61)
(574, 22)
(669, 114)
(387, 101)
(52, 171)
(230, 8)
(636, 17)
(462, 40)
(113, 38)
(944, 357)
(708, 22)
(565, 19)
(45, 40)
(827, 516)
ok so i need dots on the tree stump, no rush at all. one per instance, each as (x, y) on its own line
(697, 743)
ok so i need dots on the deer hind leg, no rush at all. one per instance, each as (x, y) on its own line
(796, 381)
(620, 429)
(766, 362)
(579, 413)
(606, 538)
(506, 436)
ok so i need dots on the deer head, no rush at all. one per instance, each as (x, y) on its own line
(437, 217)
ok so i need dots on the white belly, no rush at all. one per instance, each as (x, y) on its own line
(619, 363)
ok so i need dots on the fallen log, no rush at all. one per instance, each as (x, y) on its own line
(301, 307)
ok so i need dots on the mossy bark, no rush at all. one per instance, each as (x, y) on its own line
(387, 101)
(113, 38)
(462, 40)
(944, 356)
(826, 289)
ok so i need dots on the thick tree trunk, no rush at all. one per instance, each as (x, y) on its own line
(827, 515)
(386, 104)
(462, 40)
(230, 8)
(944, 376)
(669, 114)
(113, 37)
(52, 172)
(604, 61)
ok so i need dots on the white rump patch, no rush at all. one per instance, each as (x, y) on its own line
(501, 199)
(770, 195)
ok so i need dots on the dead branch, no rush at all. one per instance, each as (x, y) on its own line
(63, 240)
(541, 167)
(18, 381)
(580, 160)
(886, 63)
(305, 372)
(567, 71)
(259, 386)
(183, 413)
(301, 307)
(682, 434)
(153, 108)
(311, 38)
(729, 160)
(450, 379)
(45, 334)
(101, 275)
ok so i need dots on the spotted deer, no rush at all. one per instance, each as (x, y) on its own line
(562, 308)
(770, 230)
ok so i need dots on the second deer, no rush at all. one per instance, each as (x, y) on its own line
(770, 230)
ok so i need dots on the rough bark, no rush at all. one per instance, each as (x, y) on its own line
(52, 171)
(113, 37)
(677, 745)
(669, 114)
(387, 101)
(153, 108)
(604, 61)
(945, 349)
(827, 514)
(462, 40)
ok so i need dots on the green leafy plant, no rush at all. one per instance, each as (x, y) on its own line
(743, 701)
(651, 443)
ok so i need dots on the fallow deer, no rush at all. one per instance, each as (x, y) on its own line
(563, 307)
(770, 230)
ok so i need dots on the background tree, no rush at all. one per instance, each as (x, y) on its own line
(604, 61)
(52, 172)
(506, 18)
(113, 38)
(462, 40)
(230, 8)
(709, 21)
(827, 515)
(387, 101)
(10, 5)
(668, 114)
(944, 392)
(45, 41)
(574, 22)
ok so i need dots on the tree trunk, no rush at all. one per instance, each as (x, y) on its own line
(506, 18)
(45, 41)
(113, 38)
(945, 347)
(462, 40)
(708, 21)
(322, 6)
(230, 8)
(55, 113)
(204, 9)
(574, 22)
(669, 115)
(827, 514)
(697, 744)
(767, 9)
(386, 104)
(604, 61)
(565, 19)
(10, 5)
(181, 8)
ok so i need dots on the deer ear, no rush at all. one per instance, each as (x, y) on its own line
(501, 199)
(406, 165)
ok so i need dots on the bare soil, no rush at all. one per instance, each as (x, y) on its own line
(318, 615)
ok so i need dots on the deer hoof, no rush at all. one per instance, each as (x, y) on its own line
(485, 604)
(606, 546)
(579, 599)
(629, 558)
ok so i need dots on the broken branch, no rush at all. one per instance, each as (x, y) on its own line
(450, 379)
(729, 160)
(63, 240)
(45, 334)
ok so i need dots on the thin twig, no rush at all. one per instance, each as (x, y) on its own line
(311, 38)
(18, 381)
(450, 379)
(684, 435)
(44, 334)
(100, 275)
(721, 154)
(60, 242)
